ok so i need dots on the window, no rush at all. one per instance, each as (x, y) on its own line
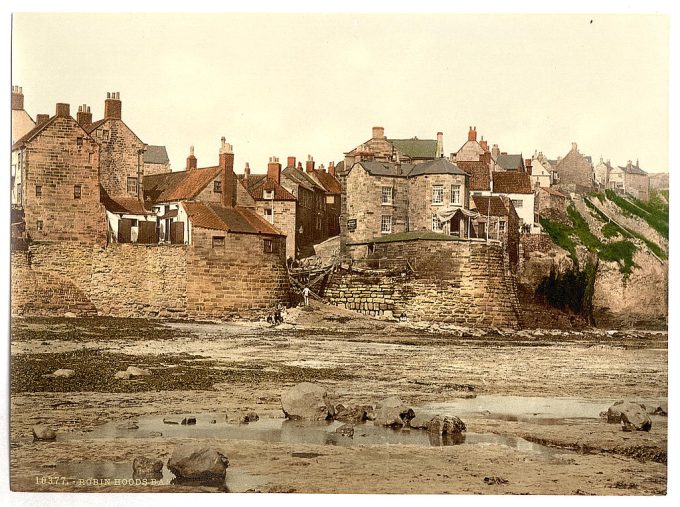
(77, 191)
(217, 186)
(79, 142)
(269, 246)
(386, 196)
(39, 225)
(105, 135)
(455, 194)
(269, 215)
(217, 241)
(134, 222)
(330, 199)
(132, 185)
(386, 224)
(436, 223)
(38, 190)
(517, 203)
(438, 194)
(501, 226)
(19, 195)
(268, 194)
(89, 158)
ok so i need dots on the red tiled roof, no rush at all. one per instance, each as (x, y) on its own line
(178, 186)
(256, 184)
(123, 204)
(511, 182)
(238, 220)
(493, 206)
(480, 177)
(328, 181)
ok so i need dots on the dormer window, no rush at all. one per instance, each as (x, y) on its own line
(268, 194)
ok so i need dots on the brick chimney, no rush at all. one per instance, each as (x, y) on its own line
(378, 132)
(440, 144)
(290, 162)
(484, 144)
(113, 106)
(17, 98)
(299, 166)
(84, 117)
(63, 109)
(472, 134)
(41, 118)
(310, 164)
(527, 164)
(331, 168)
(192, 161)
(228, 176)
(574, 147)
(246, 172)
(274, 169)
(495, 151)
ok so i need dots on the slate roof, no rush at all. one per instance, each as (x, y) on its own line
(493, 205)
(156, 155)
(386, 168)
(510, 162)
(179, 185)
(436, 166)
(123, 204)
(416, 148)
(256, 184)
(238, 220)
(511, 182)
(301, 178)
(480, 177)
(632, 169)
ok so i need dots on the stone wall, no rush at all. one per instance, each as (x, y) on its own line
(60, 185)
(459, 282)
(284, 220)
(239, 276)
(530, 243)
(575, 170)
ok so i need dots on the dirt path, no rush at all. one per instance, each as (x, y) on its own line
(216, 368)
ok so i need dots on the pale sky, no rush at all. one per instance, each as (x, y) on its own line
(298, 84)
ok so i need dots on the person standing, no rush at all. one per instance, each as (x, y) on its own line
(305, 295)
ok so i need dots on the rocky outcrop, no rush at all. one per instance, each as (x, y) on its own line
(632, 416)
(195, 462)
(41, 432)
(393, 412)
(307, 401)
(147, 468)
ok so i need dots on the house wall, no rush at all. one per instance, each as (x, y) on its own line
(150, 169)
(55, 162)
(601, 172)
(363, 204)
(420, 204)
(284, 220)
(470, 151)
(637, 185)
(526, 211)
(224, 281)
(574, 169)
(208, 194)
(118, 157)
(459, 282)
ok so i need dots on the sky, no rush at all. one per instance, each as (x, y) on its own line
(299, 84)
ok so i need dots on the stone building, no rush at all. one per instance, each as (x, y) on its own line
(631, 180)
(156, 160)
(550, 197)
(480, 176)
(386, 198)
(601, 173)
(497, 220)
(22, 123)
(517, 187)
(273, 202)
(333, 195)
(574, 172)
(58, 164)
(541, 171)
(408, 151)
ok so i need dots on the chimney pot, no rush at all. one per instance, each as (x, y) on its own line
(310, 164)
(246, 171)
(84, 116)
(472, 134)
(113, 106)
(17, 98)
(192, 161)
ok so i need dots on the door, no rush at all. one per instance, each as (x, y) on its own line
(177, 233)
(125, 230)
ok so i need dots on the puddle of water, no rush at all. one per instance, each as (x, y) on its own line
(297, 432)
(235, 481)
(540, 410)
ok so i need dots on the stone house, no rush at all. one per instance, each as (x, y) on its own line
(22, 123)
(58, 168)
(408, 151)
(472, 150)
(550, 197)
(273, 202)
(631, 180)
(333, 188)
(601, 173)
(480, 176)
(385, 198)
(497, 220)
(517, 187)
(156, 160)
(574, 172)
(541, 171)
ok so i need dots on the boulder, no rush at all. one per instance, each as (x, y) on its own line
(659, 410)
(635, 419)
(147, 468)
(436, 425)
(70, 315)
(307, 401)
(63, 373)
(124, 375)
(452, 425)
(170, 421)
(420, 422)
(346, 430)
(393, 412)
(191, 420)
(41, 432)
(352, 413)
(128, 425)
(197, 462)
(248, 418)
(138, 372)
(613, 413)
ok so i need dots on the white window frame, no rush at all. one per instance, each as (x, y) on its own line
(386, 224)
(386, 196)
(437, 225)
(518, 203)
(269, 215)
(455, 190)
(438, 190)
(268, 194)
